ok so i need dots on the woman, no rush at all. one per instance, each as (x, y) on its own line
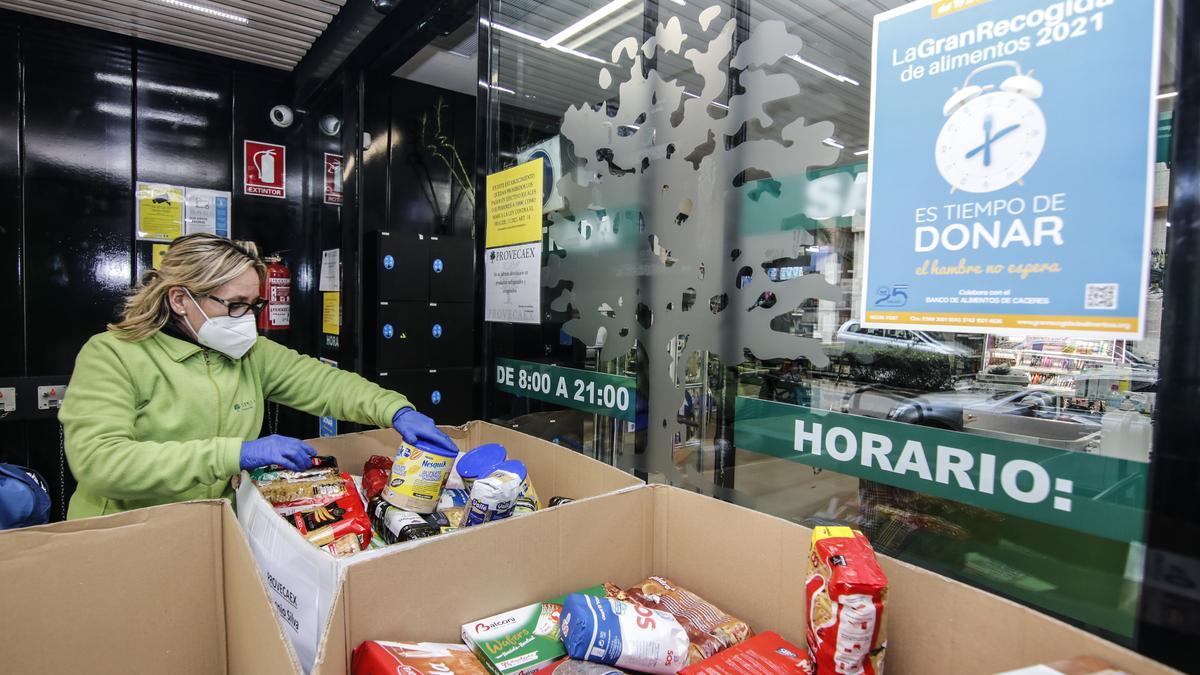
(166, 404)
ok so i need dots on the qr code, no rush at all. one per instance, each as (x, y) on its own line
(1100, 296)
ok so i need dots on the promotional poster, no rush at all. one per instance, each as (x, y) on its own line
(1012, 150)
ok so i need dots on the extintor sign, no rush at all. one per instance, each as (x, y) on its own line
(265, 169)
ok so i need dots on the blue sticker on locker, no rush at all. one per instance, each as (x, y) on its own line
(388, 331)
(435, 397)
(437, 330)
(437, 265)
(388, 262)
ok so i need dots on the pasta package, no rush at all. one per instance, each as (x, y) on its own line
(709, 629)
(845, 593)
(327, 523)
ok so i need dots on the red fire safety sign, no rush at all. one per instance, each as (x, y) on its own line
(265, 172)
(333, 178)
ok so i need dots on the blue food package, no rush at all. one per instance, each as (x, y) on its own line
(616, 633)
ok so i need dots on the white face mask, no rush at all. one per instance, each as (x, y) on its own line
(232, 336)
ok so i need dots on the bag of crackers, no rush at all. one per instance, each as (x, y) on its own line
(846, 592)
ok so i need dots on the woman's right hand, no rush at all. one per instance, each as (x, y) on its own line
(290, 453)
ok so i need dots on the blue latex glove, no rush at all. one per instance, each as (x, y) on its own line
(414, 426)
(290, 453)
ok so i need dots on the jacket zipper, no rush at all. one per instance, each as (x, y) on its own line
(208, 370)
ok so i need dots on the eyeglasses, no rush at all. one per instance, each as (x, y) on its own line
(239, 309)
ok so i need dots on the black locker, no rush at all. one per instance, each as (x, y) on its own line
(402, 267)
(451, 334)
(443, 394)
(403, 339)
(451, 269)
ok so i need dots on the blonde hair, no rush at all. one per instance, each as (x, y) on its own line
(201, 263)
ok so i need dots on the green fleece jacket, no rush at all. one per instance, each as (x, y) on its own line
(163, 420)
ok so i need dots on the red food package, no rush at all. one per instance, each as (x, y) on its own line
(766, 653)
(376, 472)
(326, 523)
(413, 658)
(846, 592)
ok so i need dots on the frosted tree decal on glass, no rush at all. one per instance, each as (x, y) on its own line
(675, 206)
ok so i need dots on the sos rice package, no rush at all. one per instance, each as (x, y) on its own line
(709, 629)
(622, 634)
(845, 593)
(413, 658)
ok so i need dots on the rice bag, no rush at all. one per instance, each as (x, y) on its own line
(845, 593)
(708, 628)
(622, 634)
(325, 523)
(413, 658)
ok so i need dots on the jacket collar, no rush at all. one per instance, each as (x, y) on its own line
(176, 349)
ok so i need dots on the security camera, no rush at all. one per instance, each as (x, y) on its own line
(282, 116)
(330, 125)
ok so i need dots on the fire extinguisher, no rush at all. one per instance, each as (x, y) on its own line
(277, 290)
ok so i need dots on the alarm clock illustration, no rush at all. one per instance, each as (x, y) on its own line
(992, 137)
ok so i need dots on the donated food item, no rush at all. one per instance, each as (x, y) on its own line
(559, 501)
(528, 501)
(343, 547)
(289, 496)
(413, 658)
(845, 595)
(763, 654)
(454, 518)
(622, 634)
(494, 497)
(418, 474)
(708, 628)
(397, 525)
(573, 667)
(453, 497)
(325, 523)
(376, 472)
(524, 505)
(479, 462)
(522, 641)
(1080, 665)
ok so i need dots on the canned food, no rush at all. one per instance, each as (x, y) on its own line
(479, 462)
(418, 474)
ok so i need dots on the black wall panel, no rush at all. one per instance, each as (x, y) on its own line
(12, 338)
(77, 190)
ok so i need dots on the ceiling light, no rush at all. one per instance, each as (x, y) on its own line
(824, 71)
(586, 21)
(168, 116)
(533, 38)
(834, 143)
(497, 87)
(862, 152)
(151, 85)
(613, 23)
(209, 11)
(1169, 94)
(681, 3)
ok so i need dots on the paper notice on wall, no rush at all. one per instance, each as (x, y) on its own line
(159, 211)
(157, 251)
(514, 205)
(513, 283)
(206, 211)
(331, 313)
(331, 277)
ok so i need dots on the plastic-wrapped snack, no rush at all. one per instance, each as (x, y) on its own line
(376, 472)
(764, 654)
(289, 496)
(709, 629)
(846, 592)
(321, 466)
(622, 634)
(573, 667)
(326, 523)
(345, 546)
(409, 658)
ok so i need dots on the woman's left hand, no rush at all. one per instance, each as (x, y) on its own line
(414, 427)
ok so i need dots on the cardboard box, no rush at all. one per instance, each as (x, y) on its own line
(304, 579)
(168, 589)
(749, 564)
